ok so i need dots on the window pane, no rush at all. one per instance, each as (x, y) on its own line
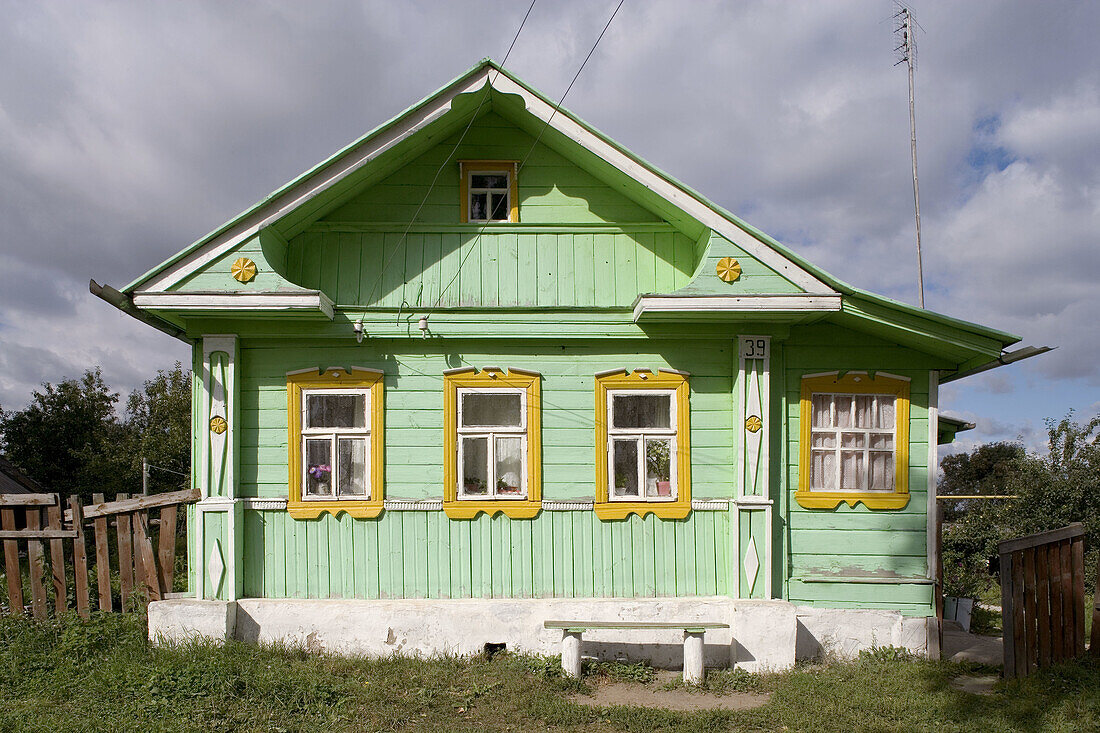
(882, 471)
(823, 440)
(851, 470)
(351, 462)
(864, 407)
(509, 457)
(821, 409)
(641, 411)
(625, 479)
(843, 411)
(475, 466)
(489, 180)
(853, 440)
(319, 467)
(882, 441)
(500, 207)
(490, 410)
(479, 206)
(336, 411)
(885, 414)
(822, 469)
(658, 467)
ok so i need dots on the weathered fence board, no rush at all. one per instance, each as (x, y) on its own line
(1043, 599)
(146, 563)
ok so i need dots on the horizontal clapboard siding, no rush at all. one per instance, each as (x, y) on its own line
(426, 555)
(850, 543)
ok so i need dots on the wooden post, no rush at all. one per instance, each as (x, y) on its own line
(1008, 614)
(1042, 603)
(57, 560)
(143, 546)
(1066, 563)
(1019, 645)
(1094, 641)
(80, 559)
(125, 556)
(1057, 610)
(35, 559)
(167, 549)
(102, 559)
(11, 564)
(1078, 549)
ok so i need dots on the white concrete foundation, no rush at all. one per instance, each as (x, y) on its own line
(843, 633)
(693, 657)
(180, 620)
(764, 635)
(571, 653)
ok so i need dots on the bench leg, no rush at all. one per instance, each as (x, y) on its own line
(693, 657)
(571, 653)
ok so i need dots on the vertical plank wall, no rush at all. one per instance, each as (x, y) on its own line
(849, 543)
(416, 554)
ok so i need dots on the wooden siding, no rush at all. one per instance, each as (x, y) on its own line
(848, 542)
(423, 554)
(509, 267)
(414, 400)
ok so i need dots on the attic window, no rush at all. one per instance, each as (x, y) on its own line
(489, 191)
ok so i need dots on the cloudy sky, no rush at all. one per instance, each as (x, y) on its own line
(128, 130)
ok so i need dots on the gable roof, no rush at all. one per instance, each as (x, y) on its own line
(489, 86)
(14, 481)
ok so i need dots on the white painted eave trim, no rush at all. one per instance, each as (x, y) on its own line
(735, 304)
(307, 301)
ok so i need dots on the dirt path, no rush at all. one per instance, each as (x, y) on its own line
(632, 694)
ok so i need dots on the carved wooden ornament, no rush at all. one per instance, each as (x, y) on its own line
(243, 269)
(218, 425)
(728, 269)
(753, 423)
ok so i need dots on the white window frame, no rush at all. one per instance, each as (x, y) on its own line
(838, 432)
(471, 190)
(641, 435)
(334, 435)
(491, 433)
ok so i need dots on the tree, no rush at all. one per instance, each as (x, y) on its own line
(158, 420)
(67, 437)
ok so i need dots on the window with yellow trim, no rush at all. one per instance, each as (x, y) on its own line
(334, 424)
(643, 459)
(489, 191)
(854, 441)
(492, 443)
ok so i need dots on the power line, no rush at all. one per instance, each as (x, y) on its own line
(557, 107)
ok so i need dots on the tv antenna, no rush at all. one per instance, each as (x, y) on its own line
(907, 54)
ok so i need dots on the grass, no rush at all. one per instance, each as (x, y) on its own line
(65, 675)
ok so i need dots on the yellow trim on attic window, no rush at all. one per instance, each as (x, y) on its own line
(467, 167)
(487, 379)
(854, 383)
(643, 379)
(357, 379)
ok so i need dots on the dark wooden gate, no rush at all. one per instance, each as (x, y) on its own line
(1043, 599)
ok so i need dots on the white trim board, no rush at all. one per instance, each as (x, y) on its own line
(313, 300)
(735, 304)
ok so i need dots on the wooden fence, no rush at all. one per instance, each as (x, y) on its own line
(1043, 599)
(144, 575)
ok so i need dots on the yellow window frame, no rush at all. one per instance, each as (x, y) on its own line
(863, 383)
(641, 379)
(511, 167)
(492, 378)
(334, 378)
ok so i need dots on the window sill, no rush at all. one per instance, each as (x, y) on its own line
(833, 499)
(314, 509)
(511, 508)
(677, 509)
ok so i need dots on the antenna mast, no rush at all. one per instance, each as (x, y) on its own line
(907, 50)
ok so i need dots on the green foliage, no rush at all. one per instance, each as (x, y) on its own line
(71, 440)
(886, 654)
(1052, 490)
(619, 671)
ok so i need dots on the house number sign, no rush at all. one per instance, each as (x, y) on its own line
(755, 348)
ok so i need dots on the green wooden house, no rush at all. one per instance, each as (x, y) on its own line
(485, 367)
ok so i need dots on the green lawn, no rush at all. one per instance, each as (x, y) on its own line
(103, 676)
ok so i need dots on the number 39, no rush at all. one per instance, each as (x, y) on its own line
(754, 348)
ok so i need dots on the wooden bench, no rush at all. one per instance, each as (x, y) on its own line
(693, 641)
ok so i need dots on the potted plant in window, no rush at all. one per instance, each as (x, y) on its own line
(658, 463)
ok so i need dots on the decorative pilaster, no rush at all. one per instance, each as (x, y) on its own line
(219, 540)
(753, 510)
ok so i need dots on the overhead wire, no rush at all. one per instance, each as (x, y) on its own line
(554, 112)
